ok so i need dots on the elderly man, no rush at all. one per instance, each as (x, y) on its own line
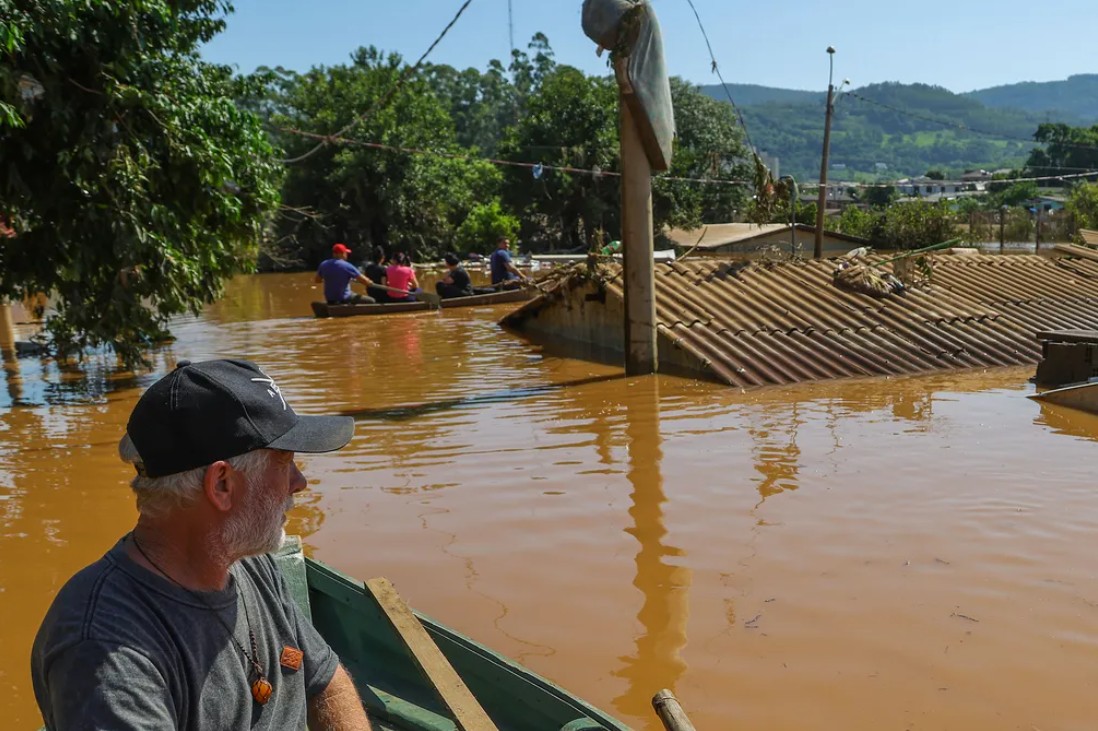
(187, 623)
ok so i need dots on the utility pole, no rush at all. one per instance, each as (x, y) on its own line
(1002, 225)
(792, 183)
(637, 249)
(1037, 229)
(821, 203)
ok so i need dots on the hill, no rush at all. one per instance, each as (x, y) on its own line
(907, 128)
(746, 95)
(1074, 100)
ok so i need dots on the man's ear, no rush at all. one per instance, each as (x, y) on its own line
(222, 486)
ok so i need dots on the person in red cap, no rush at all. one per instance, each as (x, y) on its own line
(337, 274)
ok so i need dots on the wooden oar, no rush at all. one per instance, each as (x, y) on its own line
(670, 712)
(423, 296)
(455, 694)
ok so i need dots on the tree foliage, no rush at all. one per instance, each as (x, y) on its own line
(133, 182)
(484, 226)
(1067, 150)
(1082, 204)
(909, 225)
(570, 121)
(398, 179)
(708, 146)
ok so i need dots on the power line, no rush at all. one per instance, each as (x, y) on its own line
(939, 183)
(533, 166)
(716, 69)
(511, 27)
(408, 71)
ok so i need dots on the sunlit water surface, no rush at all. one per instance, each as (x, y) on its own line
(862, 555)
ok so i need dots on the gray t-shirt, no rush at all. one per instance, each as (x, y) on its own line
(124, 648)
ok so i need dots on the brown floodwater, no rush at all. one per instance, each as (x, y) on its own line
(906, 553)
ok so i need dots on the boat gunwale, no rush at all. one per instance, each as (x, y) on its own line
(315, 569)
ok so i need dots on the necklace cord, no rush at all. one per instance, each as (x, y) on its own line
(252, 658)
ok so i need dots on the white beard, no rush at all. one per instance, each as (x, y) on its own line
(258, 527)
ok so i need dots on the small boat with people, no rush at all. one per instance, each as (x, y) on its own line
(321, 309)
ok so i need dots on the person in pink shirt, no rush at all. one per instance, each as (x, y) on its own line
(400, 275)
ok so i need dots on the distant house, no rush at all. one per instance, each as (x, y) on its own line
(941, 197)
(923, 186)
(723, 239)
(1050, 202)
(975, 176)
(1089, 237)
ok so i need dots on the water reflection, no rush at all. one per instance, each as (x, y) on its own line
(774, 444)
(657, 660)
(1063, 420)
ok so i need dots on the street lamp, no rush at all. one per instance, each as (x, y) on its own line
(817, 251)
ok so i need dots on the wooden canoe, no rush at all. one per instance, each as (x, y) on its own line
(397, 695)
(1082, 396)
(321, 309)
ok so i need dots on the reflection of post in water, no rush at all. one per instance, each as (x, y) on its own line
(657, 662)
(12, 377)
(777, 456)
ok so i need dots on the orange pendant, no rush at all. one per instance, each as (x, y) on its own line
(261, 691)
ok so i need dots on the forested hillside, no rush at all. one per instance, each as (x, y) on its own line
(908, 128)
(751, 94)
(1072, 101)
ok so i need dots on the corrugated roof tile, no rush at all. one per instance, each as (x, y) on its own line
(751, 324)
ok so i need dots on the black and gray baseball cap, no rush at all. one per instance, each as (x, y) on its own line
(204, 412)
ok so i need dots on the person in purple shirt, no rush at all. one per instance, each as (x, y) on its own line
(337, 274)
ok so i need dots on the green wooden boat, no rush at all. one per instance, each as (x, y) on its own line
(396, 693)
(320, 309)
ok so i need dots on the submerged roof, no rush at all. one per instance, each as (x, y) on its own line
(1089, 237)
(750, 324)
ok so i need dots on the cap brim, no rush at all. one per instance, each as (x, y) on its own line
(316, 434)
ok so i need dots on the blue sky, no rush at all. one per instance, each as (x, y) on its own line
(962, 45)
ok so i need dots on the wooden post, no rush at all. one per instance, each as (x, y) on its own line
(7, 328)
(637, 250)
(670, 712)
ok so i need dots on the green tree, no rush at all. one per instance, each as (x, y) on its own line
(481, 106)
(1016, 194)
(398, 179)
(1067, 150)
(1082, 204)
(854, 221)
(483, 227)
(880, 196)
(917, 224)
(133, 182)
(708, 146)
(570, 122)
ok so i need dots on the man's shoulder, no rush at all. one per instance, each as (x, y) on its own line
(79, 608)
